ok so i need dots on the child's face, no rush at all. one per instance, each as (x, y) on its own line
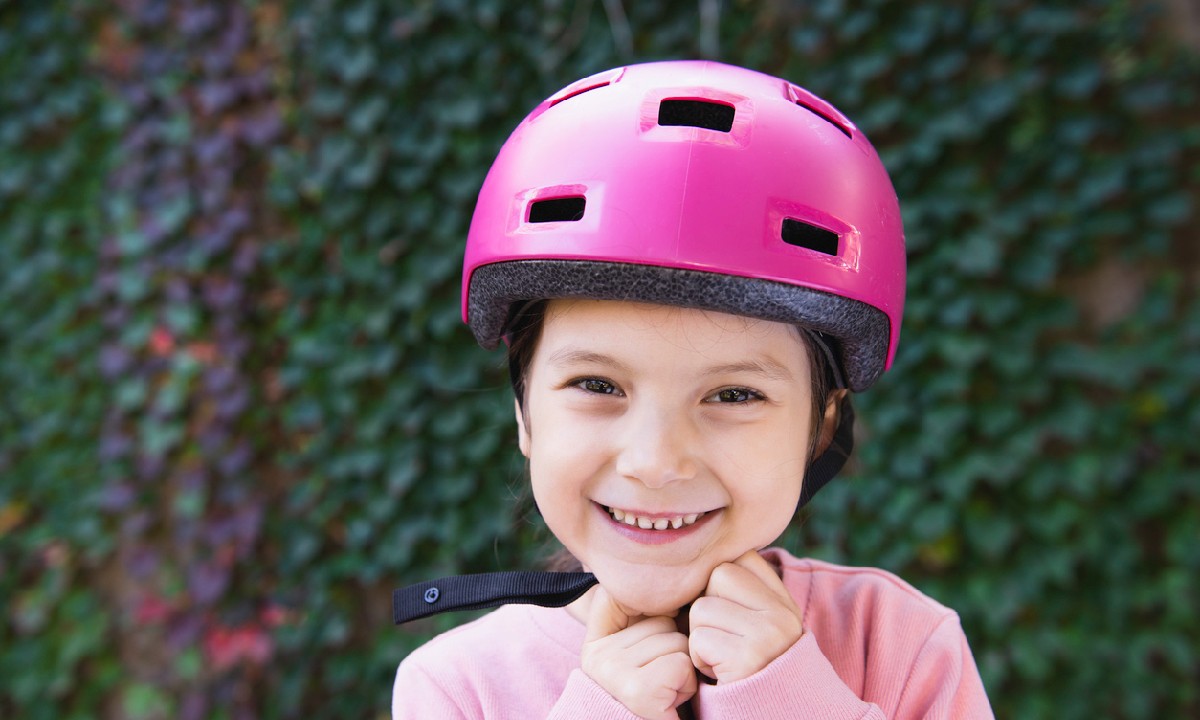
(664, 414)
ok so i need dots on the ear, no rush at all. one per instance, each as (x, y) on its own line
(522, 431)
(830, 423)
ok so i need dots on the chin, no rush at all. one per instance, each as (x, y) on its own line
(664, 597)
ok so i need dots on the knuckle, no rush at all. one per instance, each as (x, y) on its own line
(679, 643)
(703, 611)
(723, 574)
(661, 624)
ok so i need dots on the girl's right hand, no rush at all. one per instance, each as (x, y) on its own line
(642, 662)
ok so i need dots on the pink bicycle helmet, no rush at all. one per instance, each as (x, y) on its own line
(695, 184)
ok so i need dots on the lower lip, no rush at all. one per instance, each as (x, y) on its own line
(654, 537)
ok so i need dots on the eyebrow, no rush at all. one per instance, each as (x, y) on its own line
(576, 356)
(766, 367)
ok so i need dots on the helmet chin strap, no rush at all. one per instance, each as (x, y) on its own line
(557, 589)
(488, 590)
(828, 463)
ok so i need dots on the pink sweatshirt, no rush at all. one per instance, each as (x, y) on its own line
(873, 647)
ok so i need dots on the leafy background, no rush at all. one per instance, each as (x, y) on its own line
(238, 406)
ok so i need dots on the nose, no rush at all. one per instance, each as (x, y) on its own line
(657, 447)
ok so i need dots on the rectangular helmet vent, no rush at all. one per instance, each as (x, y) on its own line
(562, 209)
(696, 113)
(802, 234)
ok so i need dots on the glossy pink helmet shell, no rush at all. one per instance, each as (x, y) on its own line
(698, 184)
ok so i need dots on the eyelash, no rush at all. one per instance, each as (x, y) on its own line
(747, 394)
(582, 384)
(600, 386)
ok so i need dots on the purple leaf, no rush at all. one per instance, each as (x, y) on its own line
(206, 582)
(212, 439)
(212, 242)
(236, 348)
(150, 467)
(193, 478)
(184, 630)
(114, 360)
(116, 496)
(215, 96)
(185, 532)
(256, 84)
(235, 219)
(178, 291)
(247, 522)
(156, 60)
(214, 194)
(230, 406)
(197, 20)
(222, 295)
(195, 705)
(138, 96)
(115, 445)
(245, 260)
(117, 317)
(107, 283)
(262, 129)
(219, 377)
(213, 149)
(141, 563)
(233, 463)
(151, 15)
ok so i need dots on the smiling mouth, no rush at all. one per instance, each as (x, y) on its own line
(659, 522)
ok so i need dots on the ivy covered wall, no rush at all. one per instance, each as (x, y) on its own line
(238, 406)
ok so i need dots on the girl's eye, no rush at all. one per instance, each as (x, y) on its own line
(596, 385)
(735, 395)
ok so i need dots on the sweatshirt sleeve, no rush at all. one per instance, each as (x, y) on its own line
(798, 684)
(944, 681)
(583, 698)
(941, 682)
(416, 694)
(420, 695)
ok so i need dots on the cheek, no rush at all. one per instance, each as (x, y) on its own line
(768, 511)
(764, 475)
(559, 477)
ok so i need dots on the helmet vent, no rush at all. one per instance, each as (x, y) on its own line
(821, 109)
(580, 91)
(562, 209)
(696, 113)
(802, 234)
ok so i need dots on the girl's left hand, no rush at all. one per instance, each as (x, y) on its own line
(745, 619)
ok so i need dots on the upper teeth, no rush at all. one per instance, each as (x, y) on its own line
(659, 523)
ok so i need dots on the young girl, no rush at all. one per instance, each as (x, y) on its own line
(692, 265)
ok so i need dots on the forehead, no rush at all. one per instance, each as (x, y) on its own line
(634, 328)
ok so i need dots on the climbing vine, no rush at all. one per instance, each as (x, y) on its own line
(239, 404)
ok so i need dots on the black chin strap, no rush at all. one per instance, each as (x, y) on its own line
(488, 590)
(828, 463)
(556, 589)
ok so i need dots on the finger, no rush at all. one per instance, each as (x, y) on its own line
(722, 613)
(755, 587)
(675, 676)
(606, 616)
(711, 649)
(640, 631)
(738, 584)
(649, 649)
(764, 571)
